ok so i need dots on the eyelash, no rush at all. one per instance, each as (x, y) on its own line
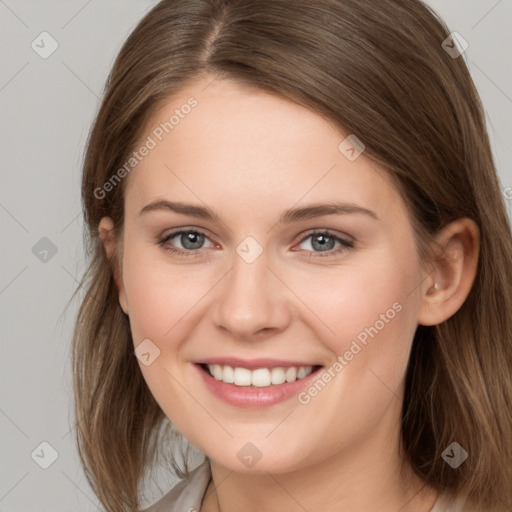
(346, 244)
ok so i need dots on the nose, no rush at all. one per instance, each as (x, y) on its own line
(252, 302)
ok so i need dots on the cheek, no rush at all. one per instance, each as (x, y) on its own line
(365, 314)
(349, 299)
(159, 295)
(162, 300)
(367, 317)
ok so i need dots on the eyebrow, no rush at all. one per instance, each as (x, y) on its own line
(287, 217)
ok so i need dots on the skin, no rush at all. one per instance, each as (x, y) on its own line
(249, 156)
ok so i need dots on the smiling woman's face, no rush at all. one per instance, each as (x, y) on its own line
(252, 283)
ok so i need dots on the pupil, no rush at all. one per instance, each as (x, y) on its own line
(323, 245)
(193, 238)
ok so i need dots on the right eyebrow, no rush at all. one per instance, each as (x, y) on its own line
(183, 208)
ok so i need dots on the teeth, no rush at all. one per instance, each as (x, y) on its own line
(242, 377)
(227, 375)
(262, 377)
(291, 374)
(301, 373)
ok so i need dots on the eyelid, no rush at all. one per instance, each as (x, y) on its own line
(346, 244)
(178, 231)
(327, 231)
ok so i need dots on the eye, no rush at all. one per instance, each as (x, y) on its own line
(191, 241)
(323, 243)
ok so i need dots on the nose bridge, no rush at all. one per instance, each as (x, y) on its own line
(250, 299)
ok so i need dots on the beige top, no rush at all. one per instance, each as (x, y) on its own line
(187, 495)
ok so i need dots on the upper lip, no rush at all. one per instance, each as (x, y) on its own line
(253, 364)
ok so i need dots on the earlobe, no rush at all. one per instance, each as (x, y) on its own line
(453, 272)
(107, 237)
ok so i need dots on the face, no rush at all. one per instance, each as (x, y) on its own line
(255, 286)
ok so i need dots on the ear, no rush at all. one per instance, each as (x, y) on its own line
(447, 286)
(107, 236)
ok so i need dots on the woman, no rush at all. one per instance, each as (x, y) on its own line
(301, 260)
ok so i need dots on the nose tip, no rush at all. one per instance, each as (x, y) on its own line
(250, 303)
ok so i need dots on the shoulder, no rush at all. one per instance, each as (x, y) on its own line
(186, 495)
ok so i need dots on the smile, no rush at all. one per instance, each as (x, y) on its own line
(260, 377)
(256, 383)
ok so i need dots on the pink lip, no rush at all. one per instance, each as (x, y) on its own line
(252, 364)
(251, 396)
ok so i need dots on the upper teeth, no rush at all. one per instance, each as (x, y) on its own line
(260, 377)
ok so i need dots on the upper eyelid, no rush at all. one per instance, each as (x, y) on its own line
(299, 239)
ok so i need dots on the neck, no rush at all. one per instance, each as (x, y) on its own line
(369, 475)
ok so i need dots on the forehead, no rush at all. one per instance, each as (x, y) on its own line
(225, 143)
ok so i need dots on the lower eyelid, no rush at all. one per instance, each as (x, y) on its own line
(344, 244)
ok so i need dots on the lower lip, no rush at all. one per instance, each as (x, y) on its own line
(250, 396)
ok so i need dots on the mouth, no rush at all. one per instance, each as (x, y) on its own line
(258, 377)
(255, 383)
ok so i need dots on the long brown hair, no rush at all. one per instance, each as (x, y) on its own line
(377, 70)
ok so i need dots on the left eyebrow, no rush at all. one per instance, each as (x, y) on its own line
(319, 209)
(287, 217)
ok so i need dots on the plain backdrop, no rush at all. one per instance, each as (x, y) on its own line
(47, 107)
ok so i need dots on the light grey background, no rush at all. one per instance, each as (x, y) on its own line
(48, 106)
